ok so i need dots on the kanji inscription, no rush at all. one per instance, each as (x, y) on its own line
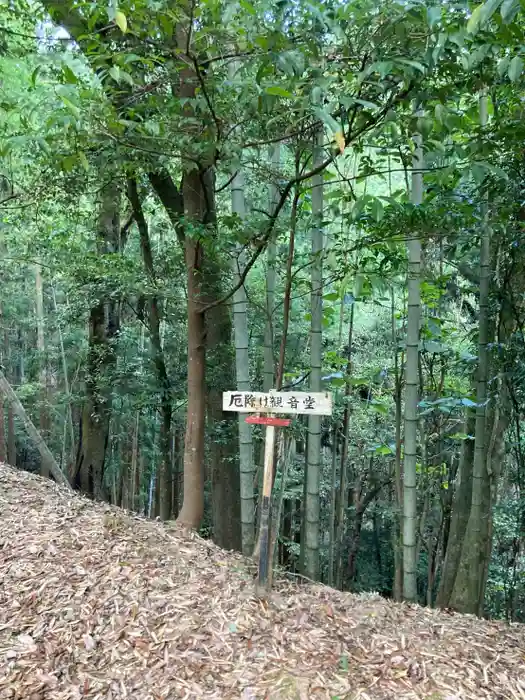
(277, 402)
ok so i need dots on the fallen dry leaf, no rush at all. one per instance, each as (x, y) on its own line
(147, 612)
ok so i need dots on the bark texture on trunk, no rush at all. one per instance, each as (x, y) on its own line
(459, 519)
(195, 210)
(104, 327)
(226, 504)
(468, 590)
(159, 363)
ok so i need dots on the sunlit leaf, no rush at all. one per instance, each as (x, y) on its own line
(69, 75)
(474, 20)
(277, 90)
(121, 21)
(515, 68)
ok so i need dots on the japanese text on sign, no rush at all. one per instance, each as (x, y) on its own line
(277, 402)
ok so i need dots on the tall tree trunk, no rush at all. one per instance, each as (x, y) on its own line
(343, 471)
(268, 359)
(41, 348)
(398, 463)
(3, 446)
(468, 592)
(67, 456)
(159, 362)
(412, 388)
(242, 364)
(225, 496)
(192, 509)
(104, 326)
(314, 460)
(459, 520)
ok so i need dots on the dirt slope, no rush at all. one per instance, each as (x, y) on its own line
(97, 604)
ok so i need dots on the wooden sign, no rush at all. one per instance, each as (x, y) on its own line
(298, 402)
(268, 420)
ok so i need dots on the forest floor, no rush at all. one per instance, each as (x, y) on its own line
(97, 603)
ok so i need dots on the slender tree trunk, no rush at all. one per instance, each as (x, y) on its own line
(192, 509)
(104, 326)
(411, 390)
(398, 465)
(3, 446)
(268, 360)
(67, 458)
(159, 362)
(11, 438)
(41, 348)
(459, 520)
(333, 506)
(3, 352)
(225, 494)
(314, 463)
(343, 472)
(242, 365)
(468, 591)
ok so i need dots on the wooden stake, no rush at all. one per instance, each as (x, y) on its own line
(264, 575)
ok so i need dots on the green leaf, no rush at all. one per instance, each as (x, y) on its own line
(114, 72)
(377, 209)
(121, 21)
(413, 64)
(488, 9)
(515, 68)
(327, 119)
(509, 10)
(344, 662)
(71, 107)
(433, 15)
(247, 6)
(378, 406)
(503, 66)
(383, 450)
(34, 75)
(83, 160)
(277, 90)
(460, 436)
(69, 76)
(332, 296)
(359, 283)
(439, 113)
(474, 20)
(69, 163)
(424, 126)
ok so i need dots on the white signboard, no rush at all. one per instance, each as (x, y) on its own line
(278, 402)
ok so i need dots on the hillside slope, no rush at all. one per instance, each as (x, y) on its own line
(98, 604)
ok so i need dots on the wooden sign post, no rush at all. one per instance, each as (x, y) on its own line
(270, 404)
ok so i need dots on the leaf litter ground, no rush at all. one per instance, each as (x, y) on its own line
(97, 603)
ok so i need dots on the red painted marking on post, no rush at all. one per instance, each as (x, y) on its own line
(268, 420)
